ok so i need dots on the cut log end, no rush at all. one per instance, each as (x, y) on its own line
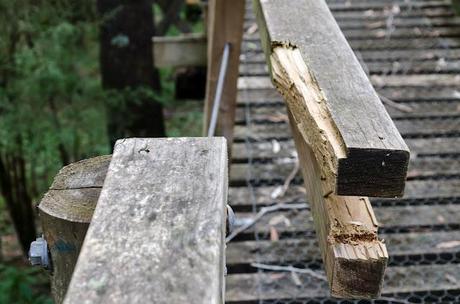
(373, 172)
(358, 270)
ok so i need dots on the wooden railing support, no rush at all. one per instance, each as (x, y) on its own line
(65, 213)
(157, 235)
(225, 25)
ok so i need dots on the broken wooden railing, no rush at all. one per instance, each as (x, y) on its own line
(348, 146)
(157, 234)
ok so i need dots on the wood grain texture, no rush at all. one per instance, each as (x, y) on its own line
(340, 114)
(157, 235)
(346, 227)
(65, 213)
(225, 25)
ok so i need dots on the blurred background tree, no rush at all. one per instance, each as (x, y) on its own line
(55, 108)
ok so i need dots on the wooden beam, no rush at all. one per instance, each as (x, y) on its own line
(65, 213)
(339, 113)
(157, 235)
(346, 227)
(181, 51)
(225, 25)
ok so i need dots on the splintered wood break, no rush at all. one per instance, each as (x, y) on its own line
(341, 117)
(354, 258)
(307, 103)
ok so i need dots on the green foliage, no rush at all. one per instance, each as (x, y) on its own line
(4, 225)
(51, 100)
(184, 119)
(19, 286)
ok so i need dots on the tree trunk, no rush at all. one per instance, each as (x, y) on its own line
(126, 60)
(171, 16)
(14, 190)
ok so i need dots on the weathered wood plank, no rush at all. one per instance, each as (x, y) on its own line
(431, 12)
(279, 151)
(399, 23)
(180, 51)
(397, 217)
(279, 170)
(157, 234)
(65, 213)
(407, 127)
(276, 111)
(298, 250)
(346, 228)
(396, 33)
(415, 55)
(432, 80)
(240, 197)
(225, 25)
(410, 94)
(390, 44)
(340, 115)
(248, 287)
(385, 6)
(380, 81)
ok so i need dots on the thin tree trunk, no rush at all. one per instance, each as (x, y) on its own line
(171, 16)
(19, 203)
(127, 62)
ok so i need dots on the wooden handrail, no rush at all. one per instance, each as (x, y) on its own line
(158, 227)
(348, 146)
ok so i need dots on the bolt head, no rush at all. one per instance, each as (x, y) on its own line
(230, 219)
(38, 253)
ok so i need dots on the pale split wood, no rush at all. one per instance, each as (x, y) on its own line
(306, 103)
(245, 288)
(157, 234)
(346, 227)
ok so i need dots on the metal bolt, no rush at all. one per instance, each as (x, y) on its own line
(230, 219)
(38, 253)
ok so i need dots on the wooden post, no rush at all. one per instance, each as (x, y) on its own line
(65, 213)
(225, 25)
(157, 235)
